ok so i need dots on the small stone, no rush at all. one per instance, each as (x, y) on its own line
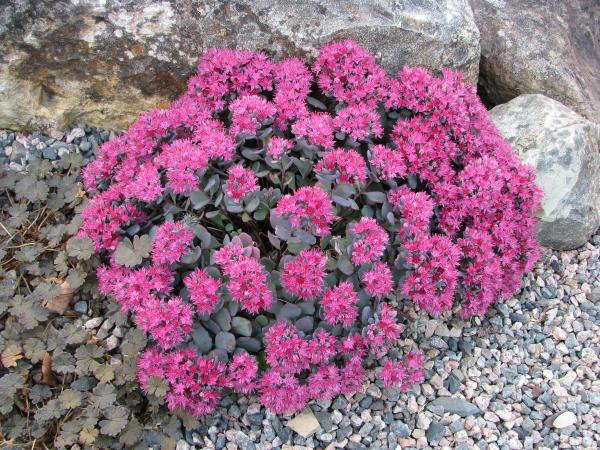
(325, 420)
(80, 307)
(559, 334)
(223, 319)
(249, 344)
(241, 326)
(182, 445)
(111, 343)
(454, 405)
(435, 432)
(340, 403)
(49, 153)
(93, 323)
(400, 428)
(326, 437)
(305, 423)
(564, 420)
(202, 339)
(289, 311)
(225, 341)
(442, 330)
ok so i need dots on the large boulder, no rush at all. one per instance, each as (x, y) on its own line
(564, 148)
(103, 62)
(545, 47)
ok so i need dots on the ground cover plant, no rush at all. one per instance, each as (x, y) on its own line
(59, 385)
(258, 227)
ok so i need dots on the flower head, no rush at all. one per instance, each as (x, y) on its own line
(304, 275)
(339, 304)
(241, 182)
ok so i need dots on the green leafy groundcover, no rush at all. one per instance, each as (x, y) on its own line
(66, 381)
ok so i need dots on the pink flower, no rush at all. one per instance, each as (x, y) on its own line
(308, 209)
(292, 85)
(370, 241)
(384, 332)
(390, 163)
(168, 322)
(403, 374)
(433, 282)
(317, 127)
(303, 276)
(278, 146)
(203, 290)
(339, 304)
(170, 243)
(247, 278)
(416, 208)
(146, 185)
(282, 393)
(181, 159)
(359, 122)
(249, 114)
(350, 73)
(241, 182)
(195, 383)
(104, 217)
(222, 72)
(242, 373)
(347, 166)
(378, 281)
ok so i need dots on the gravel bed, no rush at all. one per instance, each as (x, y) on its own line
(524, 376)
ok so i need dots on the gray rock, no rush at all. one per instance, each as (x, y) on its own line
(50, 153)
(80, 307)
(305, 324)
(400, 429)
(223, 319)
(241, 326)
(454, 405)
(340, 403)
(250, 344)
(111, 343)
(225, 341)
(564, 65)
(563, 148)
(289, 311)
(182, 445)
(136, 56)
(435, 432)
(202, 339)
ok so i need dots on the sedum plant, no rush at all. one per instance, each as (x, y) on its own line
(262, 227)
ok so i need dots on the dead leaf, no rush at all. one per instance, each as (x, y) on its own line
(11, 355)
(60, 303)
(47, 376)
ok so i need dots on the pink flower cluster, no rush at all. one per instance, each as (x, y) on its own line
(203, 290)
(308, 209)
(171, 241)
(249, 113)
(240, 183)
(370, 241)
(436, 207)
(346, 166)
(247, 278)
(304, 275)
(278, 146)
(339, 304)
(317, 128)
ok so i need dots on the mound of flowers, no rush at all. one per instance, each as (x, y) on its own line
(260, 228)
